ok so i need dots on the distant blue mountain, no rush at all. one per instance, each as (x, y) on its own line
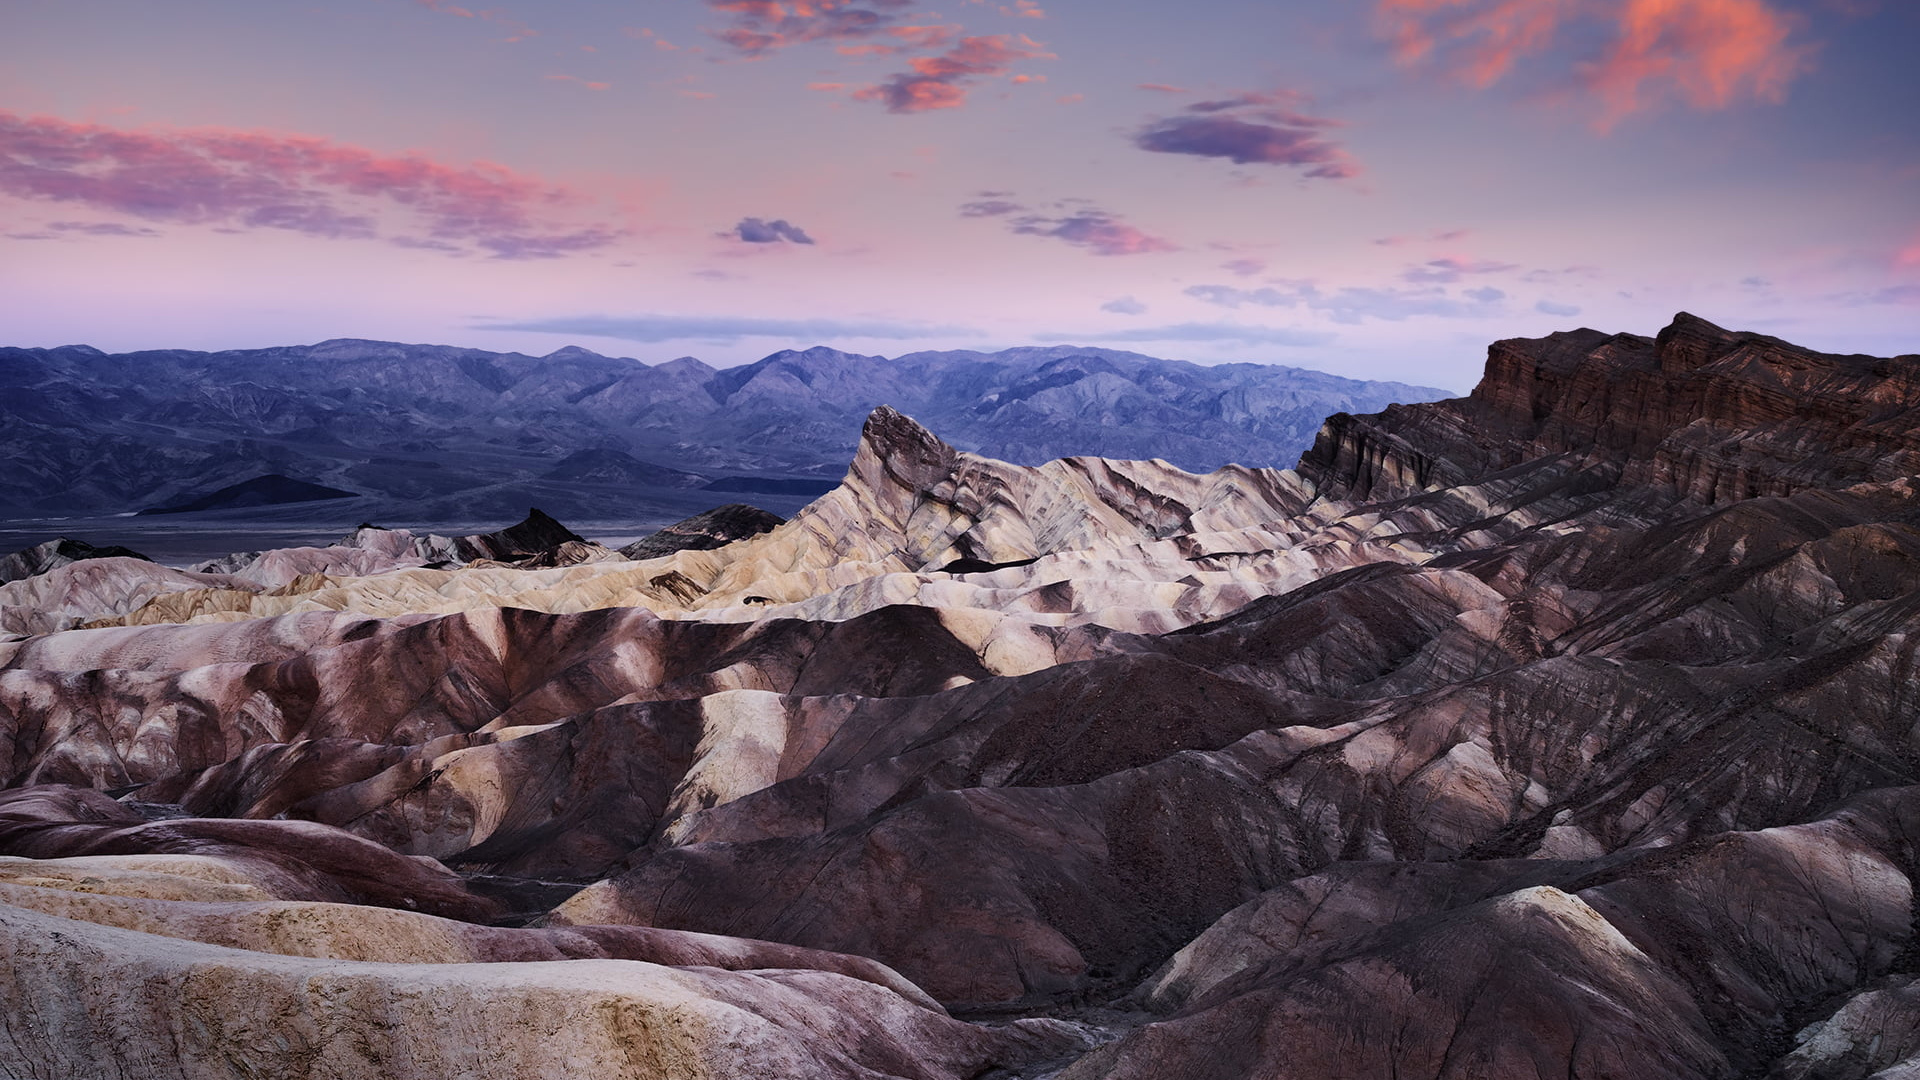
(441, 432)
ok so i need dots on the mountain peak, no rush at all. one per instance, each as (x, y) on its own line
(1691, 342)
(895, 445)
(573, 352)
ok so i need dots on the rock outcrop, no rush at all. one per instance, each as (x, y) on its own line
(62, 551)
(705, 531)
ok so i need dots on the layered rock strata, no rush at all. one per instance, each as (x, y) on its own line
(1507, 737)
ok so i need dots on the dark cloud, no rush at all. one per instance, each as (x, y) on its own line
(1248, 142)
(723, 328)
(755, 231)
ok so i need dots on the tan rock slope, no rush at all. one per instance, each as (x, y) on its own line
(1563, 730)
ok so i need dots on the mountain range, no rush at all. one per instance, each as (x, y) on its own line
(1565, 729)
(434, 433)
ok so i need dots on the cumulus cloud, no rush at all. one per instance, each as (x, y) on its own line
(1235, 333)
(1125, 305)
(1251, 129)
(254, 180)
(941, 81)
(1096, 230)
(725, 328)
(753, 230)
(1707, 53)
(1355, 304)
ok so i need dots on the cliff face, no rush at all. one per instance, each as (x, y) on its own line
(1698, 413)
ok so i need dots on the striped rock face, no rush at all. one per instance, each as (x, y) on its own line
(1562, 730)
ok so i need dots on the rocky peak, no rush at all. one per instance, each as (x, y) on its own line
(1690, 342)
(893, 445)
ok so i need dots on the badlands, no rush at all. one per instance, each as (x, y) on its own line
(1566, 729)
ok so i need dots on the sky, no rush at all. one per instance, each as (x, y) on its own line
(1375, 188)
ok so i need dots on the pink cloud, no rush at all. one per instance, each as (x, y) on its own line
(579, 80)
(939, 82)
(1243, 267)
(1165, 88)
(763, 26)
(1709, 54)
(909, 37)
(258, 180)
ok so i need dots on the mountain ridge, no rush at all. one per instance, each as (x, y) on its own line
(460, 432)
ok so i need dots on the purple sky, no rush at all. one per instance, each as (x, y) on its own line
(1371, 187)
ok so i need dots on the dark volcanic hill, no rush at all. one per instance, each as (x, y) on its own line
(434, 432)
(1564, 730)
(269, 490)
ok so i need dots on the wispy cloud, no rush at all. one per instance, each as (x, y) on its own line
(758, 27)
(1068, 220)
(1448, 270)
(1252, 129)
(941, 81)
(302, 184)
(1125, 305)
(59, 229)
(515, 30)
(1356, 304)
(753, 230)
(1707, 53)
(1234, 333)
(1096, 230)
(989, 208)
(578, 81)
(726, 328)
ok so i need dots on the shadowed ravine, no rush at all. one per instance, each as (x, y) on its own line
(1567, 729)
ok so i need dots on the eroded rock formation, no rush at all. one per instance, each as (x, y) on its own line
(1562, 730)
